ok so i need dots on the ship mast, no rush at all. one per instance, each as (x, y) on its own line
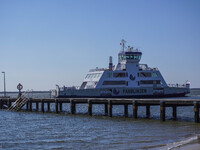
(123, 44)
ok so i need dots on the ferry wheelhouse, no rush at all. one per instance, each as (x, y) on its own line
(128, 79)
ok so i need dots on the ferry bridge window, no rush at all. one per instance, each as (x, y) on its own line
(120, 74)
(122, 57)
(137, 57)
(127, 56)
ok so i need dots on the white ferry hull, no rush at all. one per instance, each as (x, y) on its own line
(146, 92)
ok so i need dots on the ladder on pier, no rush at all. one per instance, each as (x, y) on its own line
(20, 102)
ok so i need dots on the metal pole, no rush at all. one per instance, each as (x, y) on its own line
(4, 84)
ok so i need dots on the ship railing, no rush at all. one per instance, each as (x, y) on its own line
(144, 67)
(64, 88)
(97, 69)
(177, 85)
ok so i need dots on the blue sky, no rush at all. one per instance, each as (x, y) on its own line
(49, 42)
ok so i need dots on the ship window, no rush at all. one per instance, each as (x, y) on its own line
(154, 74)
(89, 75)
(120, 74)
(98, 75)
(137, 57)
(127, 57)
(95, 75)
(114, 83)
(86, 76)
(145, 74)
(122, 57)
(109, 75)
(150, 82)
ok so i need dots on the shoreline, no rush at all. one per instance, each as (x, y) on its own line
(193, 145)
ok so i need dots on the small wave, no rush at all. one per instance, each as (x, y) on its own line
(183, 142)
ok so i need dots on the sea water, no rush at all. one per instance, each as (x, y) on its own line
(35, 130)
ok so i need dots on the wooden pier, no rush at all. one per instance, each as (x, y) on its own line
(108, 103)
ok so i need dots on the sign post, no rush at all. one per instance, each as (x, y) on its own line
(19, 87)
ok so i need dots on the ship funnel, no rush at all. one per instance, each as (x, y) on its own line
(110, 63)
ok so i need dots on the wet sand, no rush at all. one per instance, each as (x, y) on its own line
(195, 145)
(189, 147)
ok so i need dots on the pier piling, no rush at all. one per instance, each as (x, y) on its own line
(162, 110)
(126, 110)
(196, 112)
(148, 111)
(174, 112)
(9, 103)
(90, 107)
(48, 106)
(1, 104)
(135, 108)
(106, 109)
(60, 106)
(72, 106)
(110, 107)
(27, 105)
(56, 105)
(42, 105)
(37, 106)
(30, 103)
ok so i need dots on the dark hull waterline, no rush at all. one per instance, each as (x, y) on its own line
(130, 96)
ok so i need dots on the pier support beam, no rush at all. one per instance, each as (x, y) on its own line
(89, 107)
(162, 110)
(42, 105)
(37, 106)
(60, 106)
(72, 106)
(110, 108)
(56, 105)
(196, 112)
(174, 111)
(135, 108)
(106, 109)
(148, 111)
(126, 110)
(48, 106)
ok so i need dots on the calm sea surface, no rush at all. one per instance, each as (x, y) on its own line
(33, 130)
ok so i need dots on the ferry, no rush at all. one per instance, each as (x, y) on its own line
(127, 79)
